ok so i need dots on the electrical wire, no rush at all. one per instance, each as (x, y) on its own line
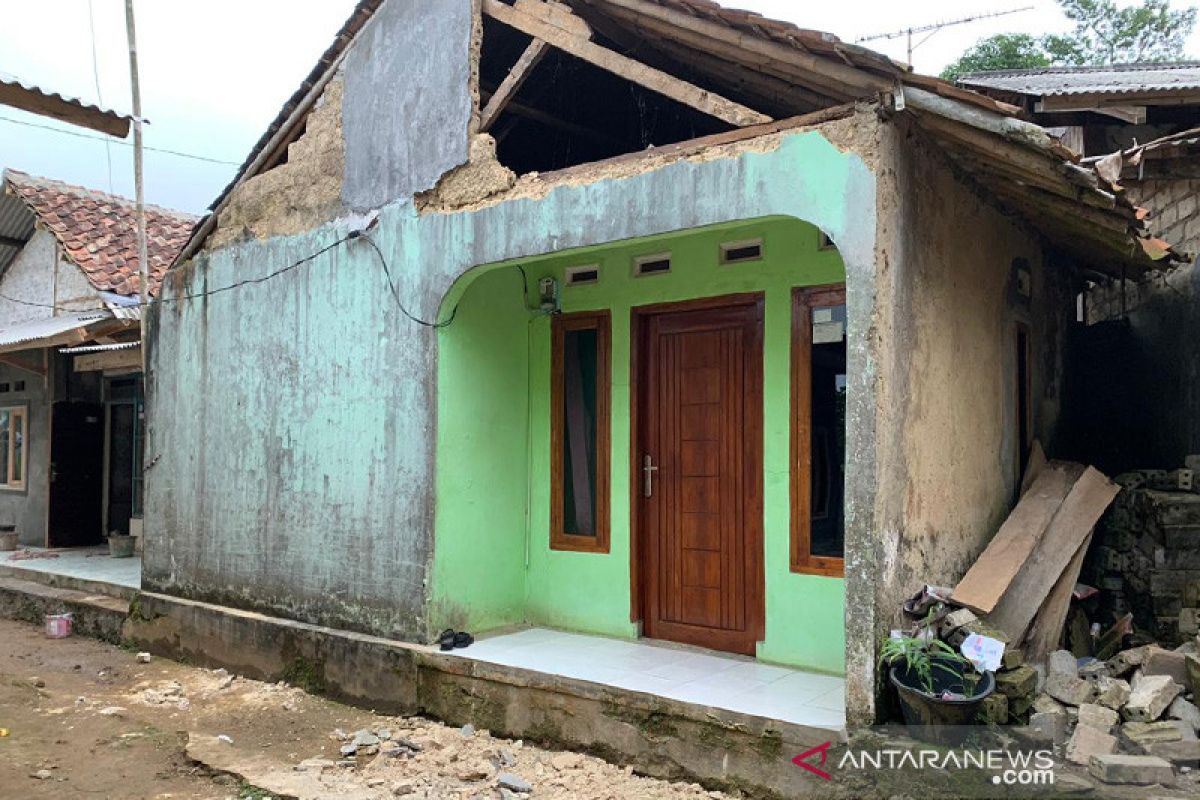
(99, 96)
(79, 135)
(353, 235)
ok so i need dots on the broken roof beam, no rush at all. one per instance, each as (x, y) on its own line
(64, 109)
(512, 83)
(634, 71)
(841, 80)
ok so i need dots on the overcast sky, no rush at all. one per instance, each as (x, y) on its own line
(214, 73)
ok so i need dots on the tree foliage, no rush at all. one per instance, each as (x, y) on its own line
(1105, 33)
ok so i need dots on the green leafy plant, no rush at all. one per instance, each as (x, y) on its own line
(922, 656)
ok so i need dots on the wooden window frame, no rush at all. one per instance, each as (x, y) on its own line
(801, 559)
(6, 482)
(601, 322)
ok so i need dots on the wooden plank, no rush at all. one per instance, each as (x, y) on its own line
(988, 578)
(635, 71)
(512, 83)
(108, 359)
(1073, 523)
(1046, 631)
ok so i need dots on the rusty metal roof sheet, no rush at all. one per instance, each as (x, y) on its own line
(1126, 79)
(66, 109)
(49, 331)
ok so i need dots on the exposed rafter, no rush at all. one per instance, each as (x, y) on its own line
(512, 84)
(634, 71)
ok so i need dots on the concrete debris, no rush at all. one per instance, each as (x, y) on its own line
(1150, 697)
(1165, 662)
(1112, 692)
(1098, 717)
(1184, 754)
(143, 658)
(1086, 742)
(112, 711)
(43, 775)
(1062, 661)
(1181, 709)
(1142, 770)
(514, 783)
(1067, 688)
(1139, 735)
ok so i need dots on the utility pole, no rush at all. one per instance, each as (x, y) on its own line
(934, 28)
(143, 259)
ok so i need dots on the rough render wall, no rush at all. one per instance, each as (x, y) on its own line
(27, 508)
(31, 277)
(946, 344)
(293, 451)
(299, 194)
(1174, 209)
(408, 102)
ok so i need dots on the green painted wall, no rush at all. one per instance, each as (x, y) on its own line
(483, 391)
(478, 538)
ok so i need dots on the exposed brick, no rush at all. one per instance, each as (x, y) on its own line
(1112, 692)
(1138, 735)
(1150, 696)
(1069, 689)
(1165, 662)
(1020, 682)
(994, 710)
(1098, 717)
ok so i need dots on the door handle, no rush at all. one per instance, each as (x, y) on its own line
(648, 470)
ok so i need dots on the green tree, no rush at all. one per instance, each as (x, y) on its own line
(1105, 33)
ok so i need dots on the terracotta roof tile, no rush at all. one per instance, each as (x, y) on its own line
(98, 231)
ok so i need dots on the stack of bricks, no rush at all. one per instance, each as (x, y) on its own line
(1145, 558)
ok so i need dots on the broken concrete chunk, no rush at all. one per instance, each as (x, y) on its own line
(1141, 770)
(1149, 698)
(514, 783)
(994, 710)
(1062, 661)
(1094, 669)
(1045, 702)
(1126, 661)
(1020, 682)
(1165, 662)
(955, 620)
(1012, 659)
(365, 738)
(1098, 717)
(1185, 753)
(1112, 692)
(1049, 726)
(1192, 667)
(1069, 689)
(143, 658)
(1087, 742)
(1139, 735)
(1184, 711)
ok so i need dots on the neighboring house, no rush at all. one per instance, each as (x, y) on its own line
(1140, 125)
(627, 317)
(70, 358)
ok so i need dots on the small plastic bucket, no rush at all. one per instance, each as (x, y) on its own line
(58, 626)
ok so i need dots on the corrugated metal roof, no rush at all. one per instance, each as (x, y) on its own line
(67, 109)
(16, 222)
(1118, 79)
(100, 348)
(46, 332)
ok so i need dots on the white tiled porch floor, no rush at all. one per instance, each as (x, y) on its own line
(691, 675)
(85, 563)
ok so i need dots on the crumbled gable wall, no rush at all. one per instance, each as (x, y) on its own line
(480, 178)
(298, 195)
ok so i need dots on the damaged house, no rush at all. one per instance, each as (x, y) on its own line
(70, 358)
(617, 320)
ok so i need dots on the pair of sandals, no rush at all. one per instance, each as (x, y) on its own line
(450, 639)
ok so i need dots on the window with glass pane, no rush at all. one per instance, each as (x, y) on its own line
(579, 432)
(13, 447)
(818, 430)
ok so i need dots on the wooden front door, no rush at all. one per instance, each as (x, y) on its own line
(699, 470)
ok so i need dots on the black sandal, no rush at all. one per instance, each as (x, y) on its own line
(447, 638)
(463, 639)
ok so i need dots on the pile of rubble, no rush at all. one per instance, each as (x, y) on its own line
(1128, 719)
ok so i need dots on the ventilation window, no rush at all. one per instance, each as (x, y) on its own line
(737, 252)
(4, 387)
(657, 264)
(18, 386)
(579, 276)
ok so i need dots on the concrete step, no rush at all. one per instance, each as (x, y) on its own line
(86, 585)
(98, 616)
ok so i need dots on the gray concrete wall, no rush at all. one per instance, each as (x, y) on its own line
(41, 278)
(27, 507)
(407, 103)
(947, 434)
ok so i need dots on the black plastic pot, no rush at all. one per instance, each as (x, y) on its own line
(928, 716)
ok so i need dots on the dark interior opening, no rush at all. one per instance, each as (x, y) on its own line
(569, 112)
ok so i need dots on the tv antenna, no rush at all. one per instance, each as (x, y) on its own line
(934, 27)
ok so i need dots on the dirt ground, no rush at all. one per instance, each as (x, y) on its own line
(83, 719)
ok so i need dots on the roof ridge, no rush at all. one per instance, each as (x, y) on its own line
(37, 181)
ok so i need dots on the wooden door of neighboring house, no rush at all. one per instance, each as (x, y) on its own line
(699, 469)
(76, 475)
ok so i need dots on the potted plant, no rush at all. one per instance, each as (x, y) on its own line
(940, 689)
